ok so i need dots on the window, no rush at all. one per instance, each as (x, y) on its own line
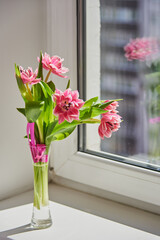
(82, 164)
(110, 75)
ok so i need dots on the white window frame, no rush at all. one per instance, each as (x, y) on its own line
(135, 183)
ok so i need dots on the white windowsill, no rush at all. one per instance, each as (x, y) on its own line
(118, 221)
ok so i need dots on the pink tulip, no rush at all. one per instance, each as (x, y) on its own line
(141, 48)
(54, 64)
(67, 105)
(111, 107)
(110, 122)
(28, 76)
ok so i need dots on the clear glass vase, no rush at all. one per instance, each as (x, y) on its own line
(41, 217)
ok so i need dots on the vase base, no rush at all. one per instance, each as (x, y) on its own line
(41, 223)
(41, 218)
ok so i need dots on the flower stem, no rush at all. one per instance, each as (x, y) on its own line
(29, 91)
(48, 74)
(40, 185)
(40, 129)
(91, 120)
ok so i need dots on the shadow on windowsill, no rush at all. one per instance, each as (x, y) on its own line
(22, 229)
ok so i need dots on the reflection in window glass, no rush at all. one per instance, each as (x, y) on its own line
(139, 135)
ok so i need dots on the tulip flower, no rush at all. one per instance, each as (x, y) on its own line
(54, 65)
(67, 105)
(110, 122)
(28, 76)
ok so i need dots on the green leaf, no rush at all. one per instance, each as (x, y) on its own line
(93, 109)
(91, 112)
(36, 132)
(49, 134)
(51, 85)
(47, 114)
(85, 113)
(62, 134)
(37, 92)
(44, 129)
(43, 89)
(22, 110)
(17, 71)
(33, 110)
(40, 68)
(21, 85)
(104, 105)
(65, 125)
(68, 84)
(60, 131)
(47, 88)
(90, 102)
(51, 127)
(97, 111)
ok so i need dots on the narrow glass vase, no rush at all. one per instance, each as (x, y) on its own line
(41, 217)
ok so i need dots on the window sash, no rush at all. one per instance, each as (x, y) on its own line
(87, 136)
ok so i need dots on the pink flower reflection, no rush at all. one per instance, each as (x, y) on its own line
(154, 120)
(141, 48)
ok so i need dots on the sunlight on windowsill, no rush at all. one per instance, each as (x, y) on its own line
(68, 223)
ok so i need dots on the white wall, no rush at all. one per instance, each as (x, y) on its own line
(22, 36)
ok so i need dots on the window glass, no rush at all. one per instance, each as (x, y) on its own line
(136, 81)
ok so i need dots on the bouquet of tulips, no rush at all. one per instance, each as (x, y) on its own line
(52, 115)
